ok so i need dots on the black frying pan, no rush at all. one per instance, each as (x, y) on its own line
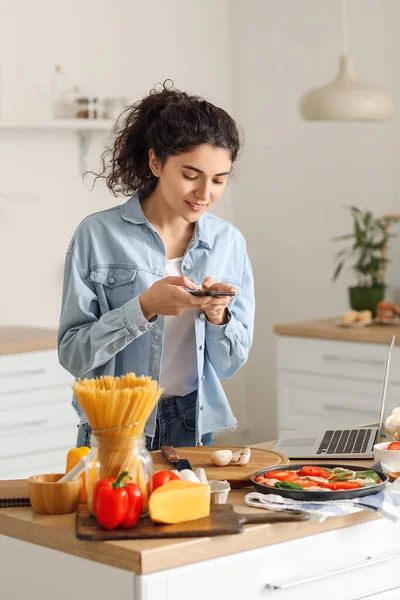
(316, 496)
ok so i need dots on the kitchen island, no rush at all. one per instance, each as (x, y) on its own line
(358, 555)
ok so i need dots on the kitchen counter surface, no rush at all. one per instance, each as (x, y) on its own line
(17, 339)
(326, 329)
(149, 556)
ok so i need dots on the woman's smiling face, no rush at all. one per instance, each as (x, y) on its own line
(191, 182)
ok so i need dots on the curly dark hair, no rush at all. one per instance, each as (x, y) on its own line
(170, 122)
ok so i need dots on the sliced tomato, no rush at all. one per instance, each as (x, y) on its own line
(281, 475)
(259, 478)
(343, 485)
(305, 483)
(393, 446)
(311, 471)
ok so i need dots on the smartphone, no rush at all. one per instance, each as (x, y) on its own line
(201, 293)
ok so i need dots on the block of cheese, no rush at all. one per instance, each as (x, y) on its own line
(178, 501)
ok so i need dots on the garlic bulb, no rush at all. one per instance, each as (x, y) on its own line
(201, 475)
(396, 411)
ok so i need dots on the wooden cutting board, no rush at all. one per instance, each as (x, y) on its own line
(223, 520)
(238, 476)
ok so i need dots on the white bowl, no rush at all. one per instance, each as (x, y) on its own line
(391, 458)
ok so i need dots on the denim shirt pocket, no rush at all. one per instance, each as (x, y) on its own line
(114, 284)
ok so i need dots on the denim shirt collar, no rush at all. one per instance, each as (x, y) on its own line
(132, 211)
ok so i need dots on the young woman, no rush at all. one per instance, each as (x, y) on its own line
(129, 270)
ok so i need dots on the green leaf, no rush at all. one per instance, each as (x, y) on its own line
(348, 236)
(337, 270)
(355, 210)
(368, 475)
(288, 485)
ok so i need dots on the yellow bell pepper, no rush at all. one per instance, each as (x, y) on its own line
(73, 457)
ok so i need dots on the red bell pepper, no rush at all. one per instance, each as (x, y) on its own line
(116, 503)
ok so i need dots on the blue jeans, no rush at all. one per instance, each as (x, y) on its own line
(176, 425)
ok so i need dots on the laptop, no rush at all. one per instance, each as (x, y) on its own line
(333, 443)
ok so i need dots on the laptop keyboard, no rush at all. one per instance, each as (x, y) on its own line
(345, 441)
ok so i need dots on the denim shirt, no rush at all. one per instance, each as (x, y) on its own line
(114, 256)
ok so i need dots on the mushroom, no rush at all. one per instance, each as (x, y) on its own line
(392, 423)
(221, 458)
(242, 457)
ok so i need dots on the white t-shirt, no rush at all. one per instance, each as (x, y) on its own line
(178, 372)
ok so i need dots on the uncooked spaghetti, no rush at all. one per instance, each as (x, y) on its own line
(117, 409)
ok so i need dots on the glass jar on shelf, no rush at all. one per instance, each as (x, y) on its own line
(115, 451)
(86, 107)
(113, 107)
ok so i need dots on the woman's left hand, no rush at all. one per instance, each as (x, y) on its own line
(216, 310)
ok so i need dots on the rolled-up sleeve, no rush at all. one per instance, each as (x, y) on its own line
(86, 339)
(228, 345)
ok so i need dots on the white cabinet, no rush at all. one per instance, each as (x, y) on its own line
(328, 383)
(346, 564)
(37, 421)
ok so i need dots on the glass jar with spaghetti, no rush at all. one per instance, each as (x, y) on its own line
(114, 451)
(117, 409)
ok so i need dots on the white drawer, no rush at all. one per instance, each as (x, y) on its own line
(33, 430)
(14, 400)
(311, 567)
(51, 461)
(309, 402)
(31, 370)
(331, 357)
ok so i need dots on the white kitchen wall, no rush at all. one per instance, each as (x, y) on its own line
(118, 50)
(253, 57)
(295, 176)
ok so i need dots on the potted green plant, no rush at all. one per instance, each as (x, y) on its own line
(367, 242)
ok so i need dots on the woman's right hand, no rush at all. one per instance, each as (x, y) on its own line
(167, 297)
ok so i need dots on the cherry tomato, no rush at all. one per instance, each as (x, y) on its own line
(313, 472)
(393, 446)
(162, 477)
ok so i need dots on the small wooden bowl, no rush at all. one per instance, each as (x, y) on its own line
(51, 498)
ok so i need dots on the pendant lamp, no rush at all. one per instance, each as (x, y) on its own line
(346, 98)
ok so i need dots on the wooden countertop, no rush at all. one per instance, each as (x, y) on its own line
(16, 339)
(148, 556)
(326, 329)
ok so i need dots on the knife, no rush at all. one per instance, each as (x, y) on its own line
(172, 456)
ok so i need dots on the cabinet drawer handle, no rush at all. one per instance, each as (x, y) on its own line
(368, 561)
(357, 361)
(35, 423)
(23, 373)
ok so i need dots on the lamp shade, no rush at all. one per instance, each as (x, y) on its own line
(347, 99)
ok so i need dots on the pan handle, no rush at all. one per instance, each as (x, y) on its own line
(274, 517)
(170, 453)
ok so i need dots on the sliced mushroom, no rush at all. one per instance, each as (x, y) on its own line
(242, 457)
(221, 458)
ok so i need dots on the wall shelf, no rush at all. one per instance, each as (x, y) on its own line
(84, 129)
(74, 124)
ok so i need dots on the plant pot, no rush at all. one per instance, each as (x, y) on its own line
(366, 298)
